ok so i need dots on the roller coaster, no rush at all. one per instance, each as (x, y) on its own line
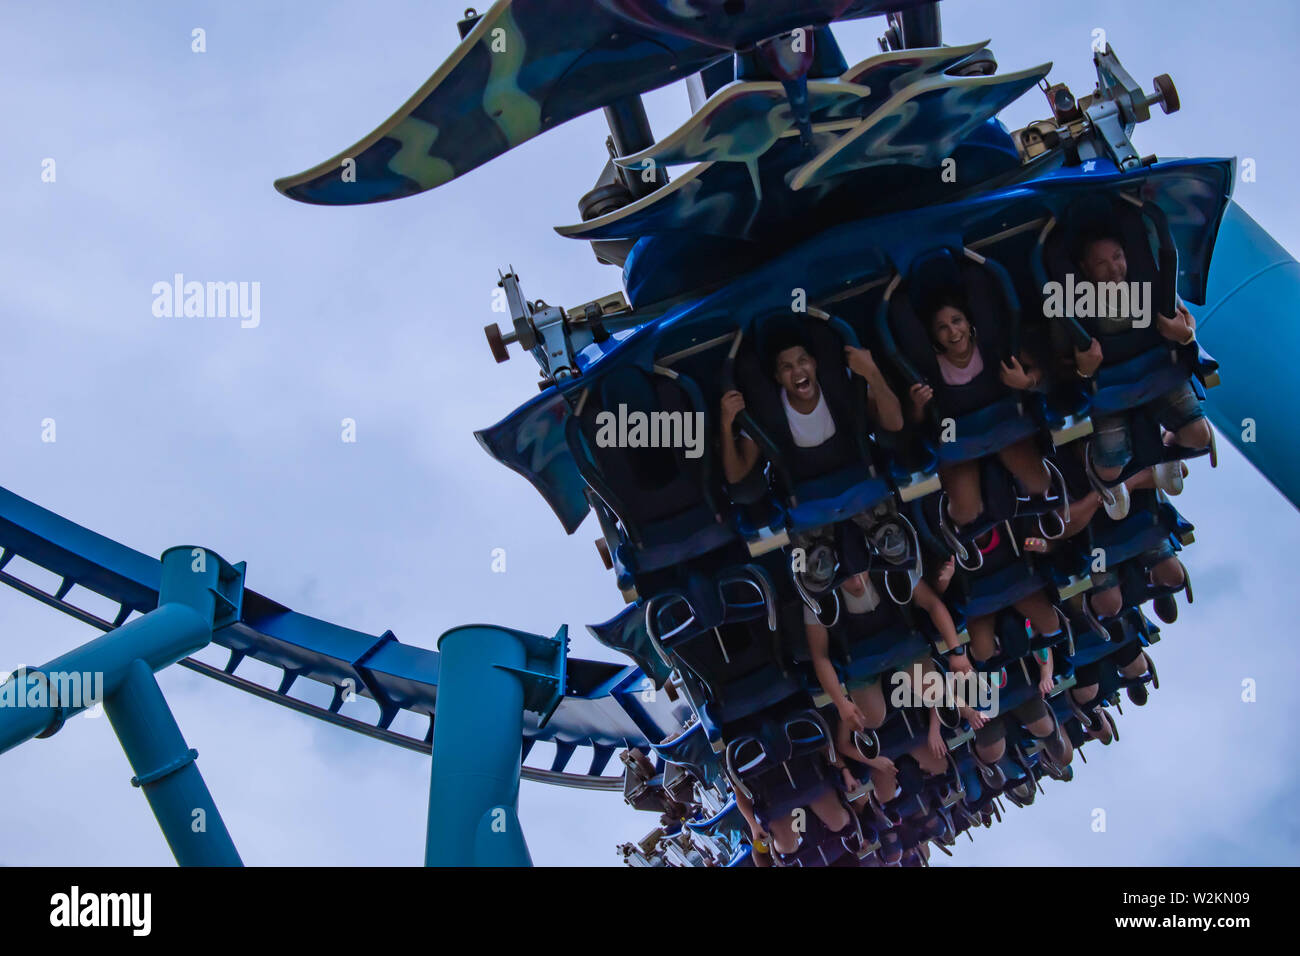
(786, 600)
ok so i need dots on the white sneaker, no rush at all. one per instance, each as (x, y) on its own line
(1117, 510)
(1169, 477)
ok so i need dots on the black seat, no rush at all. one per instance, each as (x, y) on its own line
(781, 759)
(832, 481)
(988, 416)
(1138, 364)
(764, 408)
(665, 501)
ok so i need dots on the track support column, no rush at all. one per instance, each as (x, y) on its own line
(487, 678)
(166, 772)
(197, 593)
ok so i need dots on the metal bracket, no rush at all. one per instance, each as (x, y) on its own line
(166, 770)
(539, 328)
(1120, 103)
(1108, 121)
(229, 593)
(1101, 123)
(543, 673)
(1074, 428)
(919, 487)
(1075, 585)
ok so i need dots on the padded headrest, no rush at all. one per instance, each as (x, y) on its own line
(630, 387)
(931, 279)
(774, 335)
(932, 275)
(784, 330)
(772, 739)
(637, 471)
(753, 378)
(1101, 214)
(702, 649)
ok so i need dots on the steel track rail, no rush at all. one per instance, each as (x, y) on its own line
(395, 676)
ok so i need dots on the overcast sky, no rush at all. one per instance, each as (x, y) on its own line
(197, 431)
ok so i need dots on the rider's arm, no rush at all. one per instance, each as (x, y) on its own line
(739, 453)
(883, 404)
(925, 598)
(739, 456)
(819, 650)
(1035, 372)
(1180, 328)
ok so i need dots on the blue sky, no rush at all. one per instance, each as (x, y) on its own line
(180, 431)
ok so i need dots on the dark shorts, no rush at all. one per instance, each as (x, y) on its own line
(1109, 578)
(1112, 445)
(1127, 654)
(901, 661)
(1031, 710)
(1087, 674)
(1153, 557)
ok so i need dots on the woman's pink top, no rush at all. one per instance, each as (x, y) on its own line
(955, 375)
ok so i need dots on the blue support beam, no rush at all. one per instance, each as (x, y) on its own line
(117, 669)
(28, 707)
(1251, 325)
(166, 772)
(488, 677)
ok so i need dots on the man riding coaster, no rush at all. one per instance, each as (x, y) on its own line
(822, 444)
(1099, 255)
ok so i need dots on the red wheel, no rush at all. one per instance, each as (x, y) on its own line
(495, 343)
(1169, 101)
(603, 547)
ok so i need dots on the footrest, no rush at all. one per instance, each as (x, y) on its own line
(919, 487)
(1075, 427)
(768, 539)
(1076, 584)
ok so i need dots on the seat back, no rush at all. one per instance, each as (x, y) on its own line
(782, 757)
(723, 655)
(630, 443)
(765, 417)
(1139, 236)
(992, 309)
(626, 633)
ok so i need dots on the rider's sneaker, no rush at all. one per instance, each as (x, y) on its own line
(1117, 509)
(820, 570)
(1169, 477)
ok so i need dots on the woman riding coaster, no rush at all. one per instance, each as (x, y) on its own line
(783, 837)
(970, 377)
